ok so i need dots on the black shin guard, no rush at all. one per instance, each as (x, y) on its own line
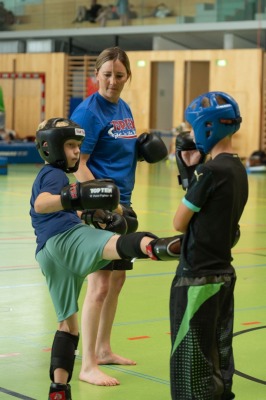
(128, 246)
(63, 353)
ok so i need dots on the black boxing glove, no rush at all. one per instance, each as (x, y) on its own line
(97, 193)
(104, 219)
(131, 218)
(151, 148)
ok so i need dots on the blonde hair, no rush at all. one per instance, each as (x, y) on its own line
(113, 54)
(58, 124)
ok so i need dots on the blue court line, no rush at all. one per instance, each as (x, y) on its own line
(252, 266)
(146, 321)
(5, 269)
(138, 374)
(22, 285)
(18, 242)
(250, 308)
(128, 276)
(18, 268)
(148, 275)
(16, 395)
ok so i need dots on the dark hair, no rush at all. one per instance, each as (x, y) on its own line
(113, 54)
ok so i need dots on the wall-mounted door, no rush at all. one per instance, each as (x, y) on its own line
(162, 83)
(23, 104)
(196, 82)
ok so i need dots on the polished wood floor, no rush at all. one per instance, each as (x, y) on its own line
(141, 329)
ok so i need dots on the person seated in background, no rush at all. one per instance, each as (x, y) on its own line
(256, 159)
(6, 135)
(7, 17)
(160, 11)
(132, 12)
(90, 14)
(107, 13)
(176, 131)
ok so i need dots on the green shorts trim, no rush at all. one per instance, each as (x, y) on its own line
(66, 260)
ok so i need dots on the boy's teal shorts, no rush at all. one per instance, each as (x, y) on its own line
(66, 260)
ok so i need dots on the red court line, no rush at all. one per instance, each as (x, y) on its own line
(139, 337)
(47, 350)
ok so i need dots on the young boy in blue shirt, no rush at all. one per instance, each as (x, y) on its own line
(67, 249)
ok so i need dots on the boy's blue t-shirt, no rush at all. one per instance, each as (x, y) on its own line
(111, 141)
(51, 180)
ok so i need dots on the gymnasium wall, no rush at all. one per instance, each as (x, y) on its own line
(241, 77)
(26, 104)
(30, 98)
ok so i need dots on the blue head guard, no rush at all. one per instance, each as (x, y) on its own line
(213, 116)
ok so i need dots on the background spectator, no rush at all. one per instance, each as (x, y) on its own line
(7, 17)
(107, 13)
(160, 11)
(90, 14)
(123, 11)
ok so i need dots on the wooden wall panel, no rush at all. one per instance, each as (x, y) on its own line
(7, 88)
(263, 107)
(196, 80)
(27, 106)
(28, 92)
(241, 77)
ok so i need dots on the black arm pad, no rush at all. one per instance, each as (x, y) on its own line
(97, 193)
(151, 148)
(184, 142)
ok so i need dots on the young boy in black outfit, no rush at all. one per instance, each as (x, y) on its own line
(202, 300)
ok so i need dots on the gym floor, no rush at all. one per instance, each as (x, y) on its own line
(141, 329)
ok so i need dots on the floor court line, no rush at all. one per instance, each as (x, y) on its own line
(242, 374)
(138, 374)
(250, 378)
(150, 379)
(15, 395)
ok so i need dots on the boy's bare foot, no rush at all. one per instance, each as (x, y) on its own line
(114, 359)
(97, 377)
